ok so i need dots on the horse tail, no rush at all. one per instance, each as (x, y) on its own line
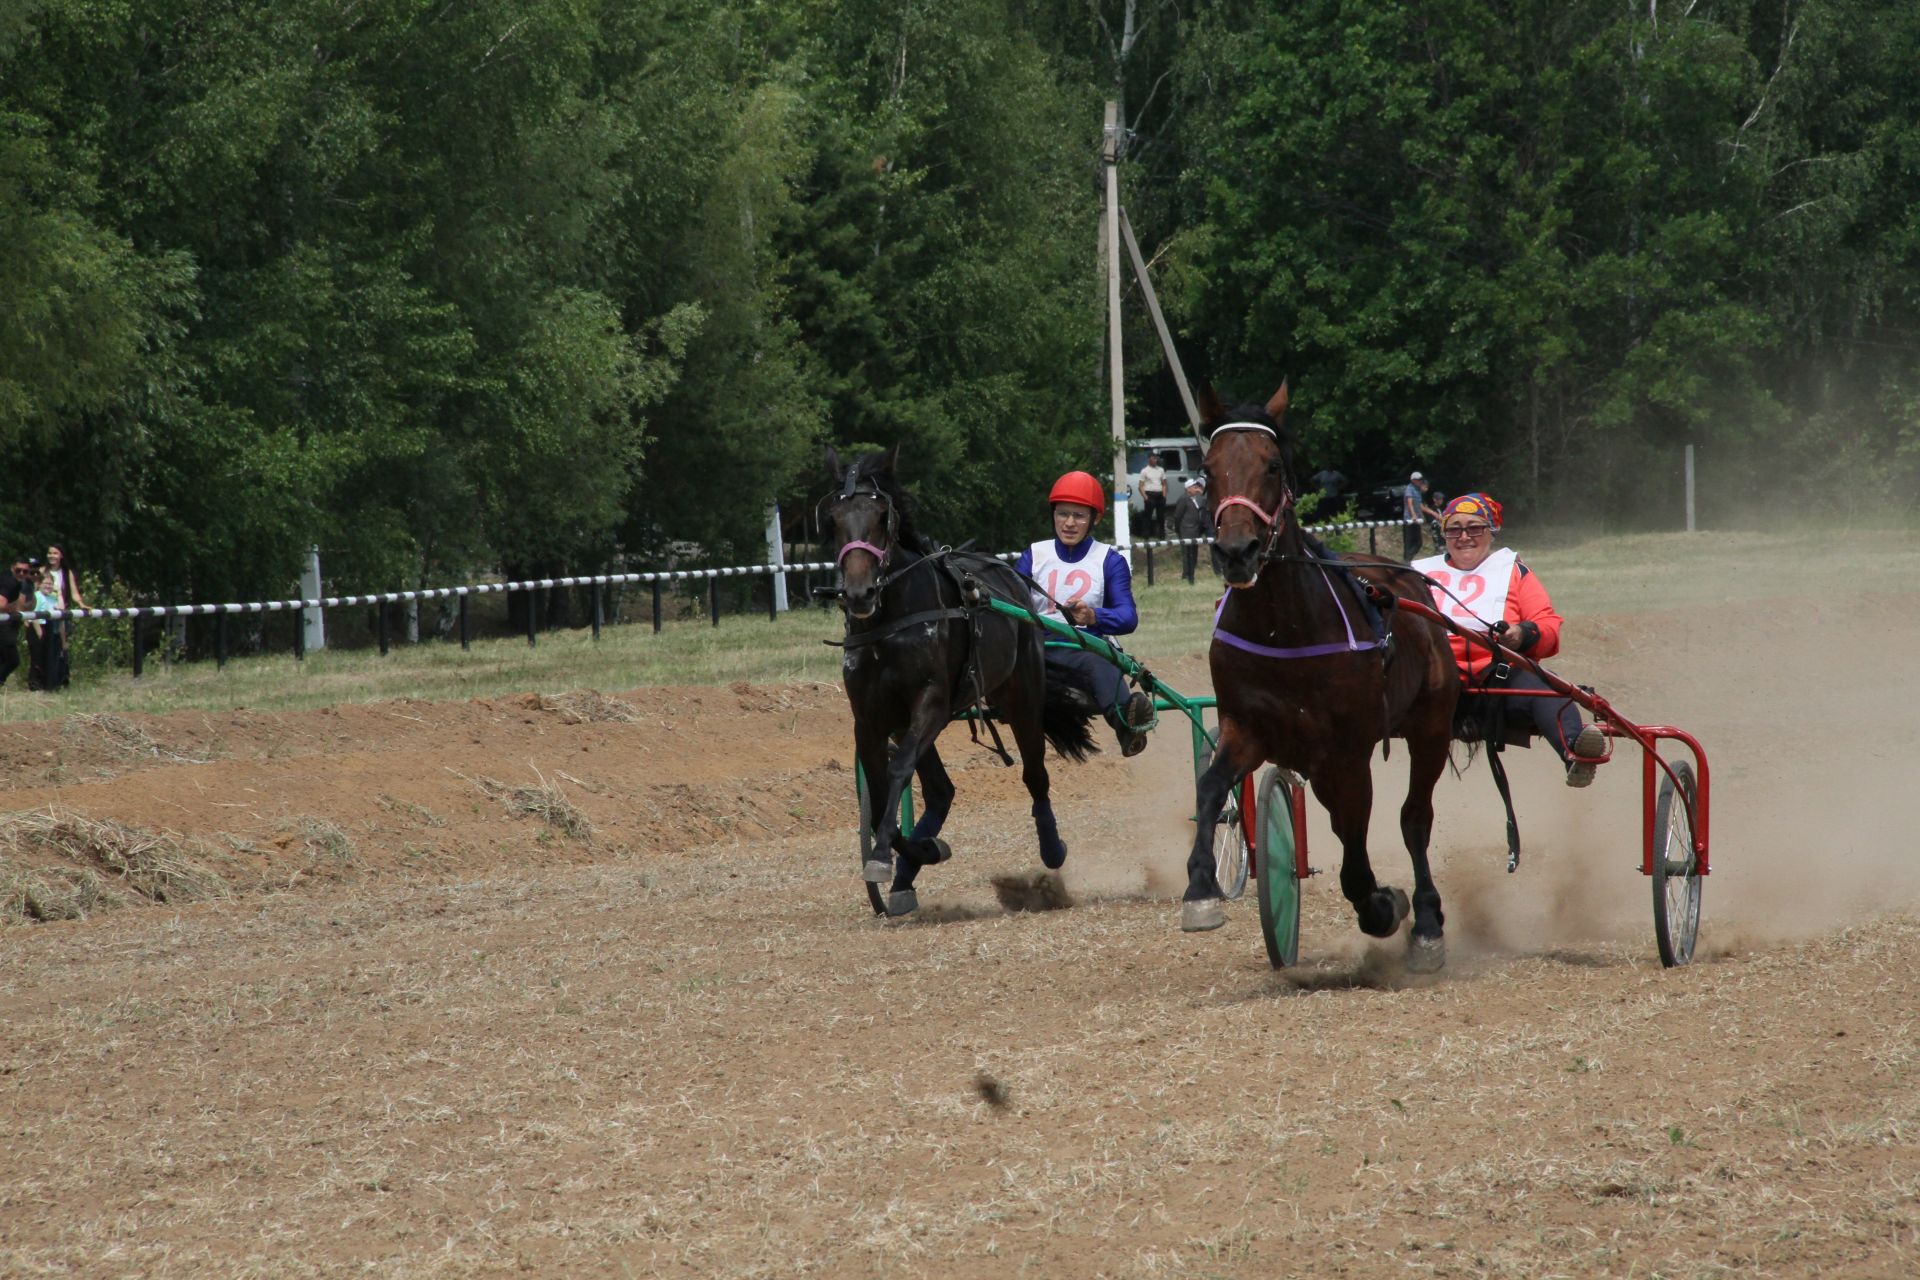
(1064, 718)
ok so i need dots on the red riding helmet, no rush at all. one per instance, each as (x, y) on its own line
(1078, 486)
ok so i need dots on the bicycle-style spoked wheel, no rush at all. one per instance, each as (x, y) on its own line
(1676, 870)
(1230, 845)
(1278, 885)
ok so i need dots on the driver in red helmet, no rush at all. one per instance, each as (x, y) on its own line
(1094, 589)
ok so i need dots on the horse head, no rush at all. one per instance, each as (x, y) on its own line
(1250, 480)
(865, 514)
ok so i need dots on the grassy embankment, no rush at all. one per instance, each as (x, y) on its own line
(1588, 575)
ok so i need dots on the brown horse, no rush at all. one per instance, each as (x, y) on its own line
(1310, 675)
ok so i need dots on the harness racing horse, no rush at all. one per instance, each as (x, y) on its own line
(922, 645)
(1310, 676)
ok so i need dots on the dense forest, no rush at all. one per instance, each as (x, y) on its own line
(453, 286)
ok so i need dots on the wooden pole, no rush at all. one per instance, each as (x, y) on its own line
(1116, 383)
(1690, 525)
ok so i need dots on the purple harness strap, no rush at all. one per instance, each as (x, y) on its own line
(1349, 645)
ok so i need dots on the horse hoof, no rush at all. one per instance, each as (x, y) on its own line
(932, 851)
(1201, 914)
(1426, 955)
(902, 902)
(1402, 908)
(874, 871)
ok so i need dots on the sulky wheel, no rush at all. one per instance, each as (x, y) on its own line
(1230, 846)
(1279, 886)
(876, 894)
(1676, 870)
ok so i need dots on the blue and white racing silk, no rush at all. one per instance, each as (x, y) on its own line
(1092, 573)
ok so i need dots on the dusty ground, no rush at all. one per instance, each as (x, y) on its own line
(431, 1032)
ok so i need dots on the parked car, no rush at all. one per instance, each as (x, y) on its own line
(1388, 502)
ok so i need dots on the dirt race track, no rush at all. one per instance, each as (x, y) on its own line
(434, 1031)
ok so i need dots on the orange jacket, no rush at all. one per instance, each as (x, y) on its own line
(1527, 601)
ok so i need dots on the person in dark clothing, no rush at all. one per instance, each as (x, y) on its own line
(16, 597)
(1192, 519)
(1414, 510)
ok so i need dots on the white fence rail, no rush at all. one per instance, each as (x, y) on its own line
(596, 582)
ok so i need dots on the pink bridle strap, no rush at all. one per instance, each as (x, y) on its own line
(856, 545)
(1251, 505)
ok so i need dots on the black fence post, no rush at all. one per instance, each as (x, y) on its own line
(1149, 564)
(713, 598)
(656, 606)
(381, 626)
(139, 644)
(598, 610)
(299, 635)
(466, 624)
(773, 596)
(533, 616)
(220, 649)
(1373, 541)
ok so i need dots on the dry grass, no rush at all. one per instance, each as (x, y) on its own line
(324, 841)
(544, 801)
(125, 736)
(57, 865)
(590, 706)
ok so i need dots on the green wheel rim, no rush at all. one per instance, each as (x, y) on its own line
(1279, 888)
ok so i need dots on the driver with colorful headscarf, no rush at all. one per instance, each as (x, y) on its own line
(1087, 583)
(1484, 588)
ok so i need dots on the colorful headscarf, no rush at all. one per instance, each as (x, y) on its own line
(1472, 504)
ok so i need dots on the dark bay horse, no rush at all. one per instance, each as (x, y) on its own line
(921, 647)
(1310, 676)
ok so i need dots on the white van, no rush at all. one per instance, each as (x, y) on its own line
(1180, 455)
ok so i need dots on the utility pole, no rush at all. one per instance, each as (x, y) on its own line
(1116, 381)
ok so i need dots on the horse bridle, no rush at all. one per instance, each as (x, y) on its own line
(1276, 519)
(855, 485)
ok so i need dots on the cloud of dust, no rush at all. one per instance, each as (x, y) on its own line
(1811, 740)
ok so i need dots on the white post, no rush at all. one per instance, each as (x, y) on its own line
(313, 618)
(777, 556)
(1122, 497)
(1689, 488)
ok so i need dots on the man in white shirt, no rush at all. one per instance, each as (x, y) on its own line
(1153, 493)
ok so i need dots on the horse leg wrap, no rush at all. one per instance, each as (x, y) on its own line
(1053, 852)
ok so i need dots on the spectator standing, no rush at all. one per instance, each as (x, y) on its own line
(1153, 493)
(15, 598)
(1192, 519)
(47, 648)
(1414, 510)
(1331, 485)
(67, 590)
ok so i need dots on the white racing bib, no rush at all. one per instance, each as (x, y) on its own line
(1084, 580)
(1482, 594)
